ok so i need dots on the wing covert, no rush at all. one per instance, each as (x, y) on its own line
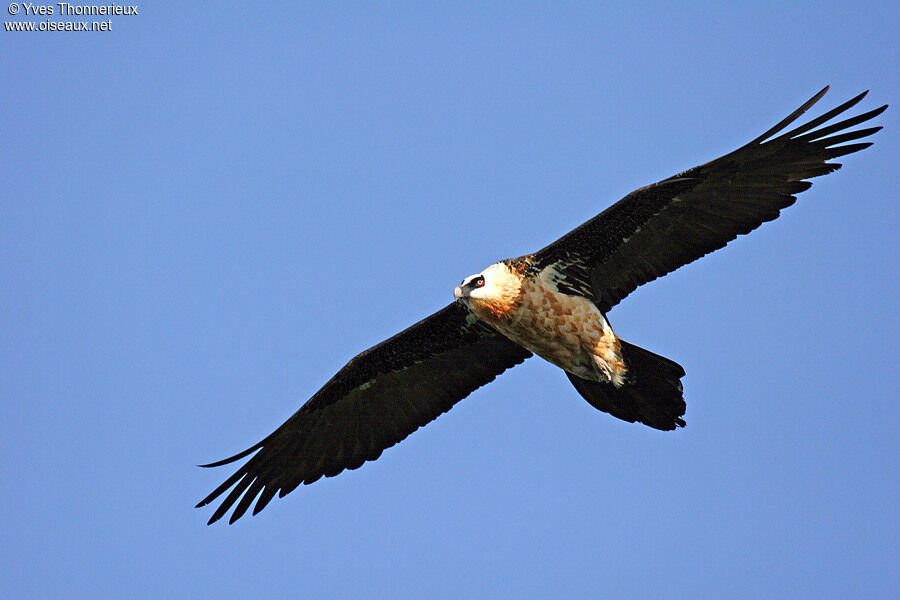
(378, 398)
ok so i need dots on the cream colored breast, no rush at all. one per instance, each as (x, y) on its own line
(561, 328)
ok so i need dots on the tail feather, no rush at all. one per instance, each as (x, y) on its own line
(651, 394)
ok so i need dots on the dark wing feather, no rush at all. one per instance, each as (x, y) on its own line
(377, 399)
(656, 229)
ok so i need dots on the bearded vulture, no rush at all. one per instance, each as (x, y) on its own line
(552, 303)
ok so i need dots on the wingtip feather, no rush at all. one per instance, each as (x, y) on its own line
(791, 117)
(231, 459)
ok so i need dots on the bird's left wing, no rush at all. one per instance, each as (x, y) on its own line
(656, 229)
(378, 398)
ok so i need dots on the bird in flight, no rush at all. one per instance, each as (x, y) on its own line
(552, 303)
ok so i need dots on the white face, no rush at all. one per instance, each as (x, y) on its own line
(481, 286)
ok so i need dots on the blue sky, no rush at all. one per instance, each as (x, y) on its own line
(207, 210)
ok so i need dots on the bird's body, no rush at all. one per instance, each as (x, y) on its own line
(552, 303)
(528, 308)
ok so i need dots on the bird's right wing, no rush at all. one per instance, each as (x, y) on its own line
(378, 398)
(656, 229)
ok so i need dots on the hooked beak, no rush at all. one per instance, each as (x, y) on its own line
(457, 292)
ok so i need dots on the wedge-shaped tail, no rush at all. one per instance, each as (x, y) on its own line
(652, 393)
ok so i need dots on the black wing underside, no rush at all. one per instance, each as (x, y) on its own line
(656, 229)
(377, 399)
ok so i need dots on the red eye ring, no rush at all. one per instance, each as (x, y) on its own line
(479, 282)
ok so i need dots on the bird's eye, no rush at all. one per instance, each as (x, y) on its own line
(479, 282)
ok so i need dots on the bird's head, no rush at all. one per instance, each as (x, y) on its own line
(473, 285)
(491, 293)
